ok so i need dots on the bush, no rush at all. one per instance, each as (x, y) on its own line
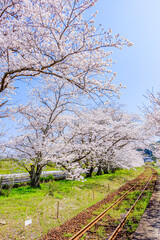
(5, 192)
(46, 179)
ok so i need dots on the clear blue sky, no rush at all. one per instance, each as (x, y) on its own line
(138, 67)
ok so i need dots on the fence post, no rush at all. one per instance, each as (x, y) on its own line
(57, 209)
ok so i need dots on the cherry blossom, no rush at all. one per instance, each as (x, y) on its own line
(152, 114)
(51, 37)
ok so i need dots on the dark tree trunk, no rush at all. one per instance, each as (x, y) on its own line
(89, 173)
(112, 169)
(99, 172)
(35, 175)
(105, 169)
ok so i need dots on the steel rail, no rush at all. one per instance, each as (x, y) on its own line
(120, 226)
(89, 225)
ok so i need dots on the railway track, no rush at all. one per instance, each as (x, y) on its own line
(85, 233)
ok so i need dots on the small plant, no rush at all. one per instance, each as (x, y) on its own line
(84, 236)
(51, 188)
(101, 231)
(67, 235)
(5, 192)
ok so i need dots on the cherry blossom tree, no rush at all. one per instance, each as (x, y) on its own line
(42, 124)
(51, 37)
(9, 9)
(127, 135)
(49, 40)
(106, 138)
(152, 114)
(103, 138)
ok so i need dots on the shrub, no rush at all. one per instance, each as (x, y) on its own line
(46, 179)
(5, 192)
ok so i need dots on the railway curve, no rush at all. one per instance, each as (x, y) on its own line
(73, 226)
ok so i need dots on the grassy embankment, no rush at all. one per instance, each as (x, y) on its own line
(157, 169)
(10, 167)
(41, 204)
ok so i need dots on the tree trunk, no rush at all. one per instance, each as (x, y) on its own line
(105, 169)
(99, 172)
(89, 173)
(112, 169)
(35, 176)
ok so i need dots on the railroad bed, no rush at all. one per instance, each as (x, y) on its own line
(106, 218)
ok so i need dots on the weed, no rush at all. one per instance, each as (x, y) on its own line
(51, 187)
(84, 236)
(101, 231)
(67, 235)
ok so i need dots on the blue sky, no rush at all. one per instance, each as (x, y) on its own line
(137, 67)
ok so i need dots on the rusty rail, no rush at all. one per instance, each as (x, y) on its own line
(93, 222)
(120, 226)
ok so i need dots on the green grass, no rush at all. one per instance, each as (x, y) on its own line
(157, 169)
(136, 214)
(9, 167)
(101, 231)
(41, 204)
